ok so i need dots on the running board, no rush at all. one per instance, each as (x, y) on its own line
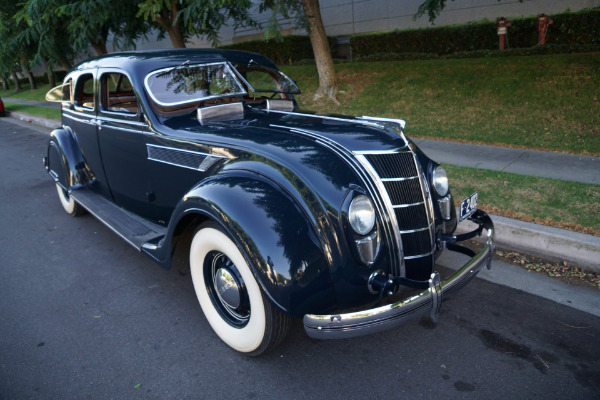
(133, 229)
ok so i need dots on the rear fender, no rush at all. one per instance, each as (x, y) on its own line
(64, 160)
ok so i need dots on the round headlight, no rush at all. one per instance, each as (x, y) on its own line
(361, 215)
(440, 181)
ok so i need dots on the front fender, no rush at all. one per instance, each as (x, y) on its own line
(65, 163)
(273, 232)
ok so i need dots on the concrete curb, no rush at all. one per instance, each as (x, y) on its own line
(545, 241)
(48, 123)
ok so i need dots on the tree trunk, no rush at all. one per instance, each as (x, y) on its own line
(50, 74)
(64, 63)
(167, 21)
(13, 74)
(99, 48)
(5, 85)
(320, 45)
(32, 85)
(176, 37)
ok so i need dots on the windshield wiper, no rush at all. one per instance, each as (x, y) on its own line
(184, 64)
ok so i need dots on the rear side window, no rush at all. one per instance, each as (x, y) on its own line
(117, 93)
(84, 96)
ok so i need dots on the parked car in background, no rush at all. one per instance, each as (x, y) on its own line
(2, 110)
(285, 213)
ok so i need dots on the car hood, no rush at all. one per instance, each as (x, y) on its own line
(354, 134)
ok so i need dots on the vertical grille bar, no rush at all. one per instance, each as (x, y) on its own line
(403, 181)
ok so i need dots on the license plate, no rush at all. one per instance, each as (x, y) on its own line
(467, 207)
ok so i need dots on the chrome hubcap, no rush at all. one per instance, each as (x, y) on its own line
(227, 289)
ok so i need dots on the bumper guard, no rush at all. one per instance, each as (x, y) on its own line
(339, 326)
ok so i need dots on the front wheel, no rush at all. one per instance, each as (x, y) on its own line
(68, 203)
(229, 295)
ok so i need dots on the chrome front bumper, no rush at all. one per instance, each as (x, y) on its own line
(338, 326)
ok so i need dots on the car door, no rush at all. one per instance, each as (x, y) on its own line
(121, 130)
(81, 118)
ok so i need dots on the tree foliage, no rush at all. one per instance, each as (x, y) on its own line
(183, 19)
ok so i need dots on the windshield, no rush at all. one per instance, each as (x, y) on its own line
(192, 83)
(265, 80)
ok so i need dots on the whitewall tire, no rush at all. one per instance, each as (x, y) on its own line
(229, 295)
(69, 204)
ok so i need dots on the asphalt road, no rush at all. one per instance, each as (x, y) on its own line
(83, 316)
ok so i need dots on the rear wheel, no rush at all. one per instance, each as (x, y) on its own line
(68, 203)
(229, 295)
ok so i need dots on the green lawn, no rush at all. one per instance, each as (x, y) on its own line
(544, 102)
(570, 205)
(38, 94)
(52, 113)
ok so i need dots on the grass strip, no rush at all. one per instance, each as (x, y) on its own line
(549, 102)
(554, 202)
(38, 94)
(51, 113)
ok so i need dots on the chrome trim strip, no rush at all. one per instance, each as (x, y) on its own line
(400, 122)
(178, 103)
(420, 255)
(123, 121)
(202, 167)
(122, 129)
(416, 230)
(409, 205)
(108, 225)
(399, 179)
(85, 121)
(338, 326)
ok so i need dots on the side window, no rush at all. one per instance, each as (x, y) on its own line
(117, 94)
(62, 93)
(84, 96)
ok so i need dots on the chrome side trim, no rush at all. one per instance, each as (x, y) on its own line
(87, 120)
(119, 128)
(207, 161)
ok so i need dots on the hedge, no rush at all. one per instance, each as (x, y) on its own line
(571, 28)
(288, 51)
(570, 32)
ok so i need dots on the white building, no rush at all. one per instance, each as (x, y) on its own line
(349, 17)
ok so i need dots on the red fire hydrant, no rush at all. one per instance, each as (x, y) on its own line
(542, 26)
(502, 29)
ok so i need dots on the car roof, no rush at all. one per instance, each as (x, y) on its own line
(140, 63)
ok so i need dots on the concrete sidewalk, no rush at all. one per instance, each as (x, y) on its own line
(546, 164)
(46, 104)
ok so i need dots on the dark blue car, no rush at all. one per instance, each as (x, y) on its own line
(285, 213)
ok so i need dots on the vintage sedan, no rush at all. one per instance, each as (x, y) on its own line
(285, 213)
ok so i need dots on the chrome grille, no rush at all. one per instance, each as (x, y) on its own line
(402, 180)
